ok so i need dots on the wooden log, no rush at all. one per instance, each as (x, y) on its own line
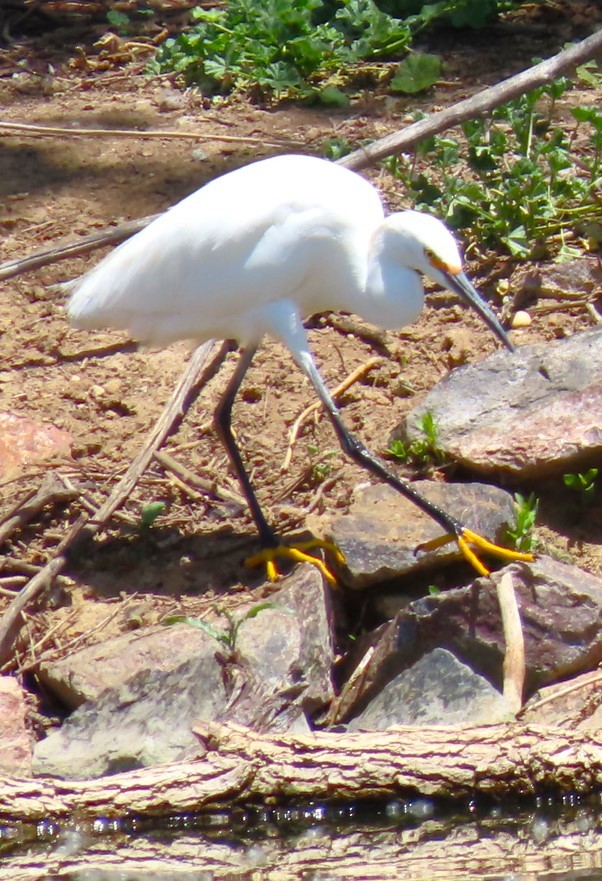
(238, 766)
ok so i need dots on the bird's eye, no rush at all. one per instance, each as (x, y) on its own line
(430, 255)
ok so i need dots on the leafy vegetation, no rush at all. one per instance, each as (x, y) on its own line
(308, 48)
(226, 637)
(424, 451)
(511, 179)
(583, 483)
(525, 512)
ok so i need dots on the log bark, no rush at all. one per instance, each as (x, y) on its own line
(239, 766)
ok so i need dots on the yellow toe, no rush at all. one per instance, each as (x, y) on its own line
(465, 538)
(297, 554)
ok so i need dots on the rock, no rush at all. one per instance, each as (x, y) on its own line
(576, 705)
(24, 441)
(380, 534)
(15, 739)
(144, 721)
(86, 674)
(145, 691)
(437, 690)
(561, 612)
(532, 413)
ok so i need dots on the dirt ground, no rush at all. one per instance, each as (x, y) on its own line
(107, 394)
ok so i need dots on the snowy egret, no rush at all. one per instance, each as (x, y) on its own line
(252, 253)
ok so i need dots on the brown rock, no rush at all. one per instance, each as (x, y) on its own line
(23, 441)
(15, 740)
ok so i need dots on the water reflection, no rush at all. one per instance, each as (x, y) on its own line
(415, 840)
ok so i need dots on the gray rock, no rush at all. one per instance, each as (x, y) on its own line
(561, 612)
(437, 690)
(278, 669)
(534, 412)
(380, 534)
(142, 722)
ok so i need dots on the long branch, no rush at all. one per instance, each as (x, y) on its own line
(477, 105)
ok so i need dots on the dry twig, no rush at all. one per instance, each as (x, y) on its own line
(514, 658)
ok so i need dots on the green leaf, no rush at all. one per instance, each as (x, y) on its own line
(332, 96)
(150, 512)
(416, 73)
(117, 19)
(517, 242)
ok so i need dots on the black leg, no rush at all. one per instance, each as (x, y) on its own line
(360, 454)
(223, 425)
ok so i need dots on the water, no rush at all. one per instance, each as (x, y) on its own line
(418, 840)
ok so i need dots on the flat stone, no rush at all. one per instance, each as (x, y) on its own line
(382, 530)
(437, 690)
(143, 692)
(15, 739)
(532, 413)
(24, 441)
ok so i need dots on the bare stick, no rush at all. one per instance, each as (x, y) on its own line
(197, 372)
(237, 765)
(43, 256)
(477, 105)
(54, 490)
(186, 476)
(23, 129)
(337, 392)
(514, 659)
(481, 103)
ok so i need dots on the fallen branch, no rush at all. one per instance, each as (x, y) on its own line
(24, 129)
(478, 105)
(55, 490)
(239, 766)
(202, 364)
(45, 256)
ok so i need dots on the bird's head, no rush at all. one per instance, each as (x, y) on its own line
(423, 243)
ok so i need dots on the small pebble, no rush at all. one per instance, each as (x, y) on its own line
(521, 319)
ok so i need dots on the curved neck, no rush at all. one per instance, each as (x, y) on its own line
(394, 294)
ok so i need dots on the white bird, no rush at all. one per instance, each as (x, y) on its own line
(253, 253)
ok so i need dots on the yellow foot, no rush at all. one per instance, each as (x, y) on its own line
(465, 538)
(296, 553)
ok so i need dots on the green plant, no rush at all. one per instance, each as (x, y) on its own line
(150, 512)
(301, 48)
(511, 179)
(423, 451)
(226, 637)
(320, 468)
(584, 483)
(525, 514)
